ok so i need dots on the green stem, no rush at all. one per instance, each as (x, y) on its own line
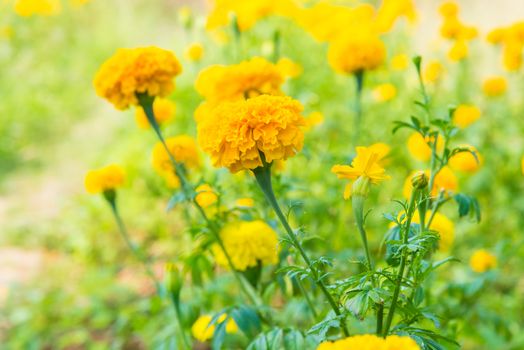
(358, 211)
(380, 318)
(308, 299)
(176, 307)
(359, 80)
(276, 46)
(263, 177)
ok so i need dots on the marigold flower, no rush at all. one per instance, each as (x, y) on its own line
(194, 52)
(245, 202)
(313, 119)
(202, 330)
(511, 38)
(448, 9)
(367, 164)
(248, 243)
(163, 109)
(148, 70)
(206, 196)
(465, 115)
(445, 229)
(391, 10)
(400, 62)
(184, 150)
(482, 261)
(355, 53)
(384, 92)
(419, 148)
(371, 342)
(465, 161)
(445, 180)
(494, 86)
(458, 51)
(432, 72)
(288, 68)
(237, 131)
(26, 8)
(104, 179)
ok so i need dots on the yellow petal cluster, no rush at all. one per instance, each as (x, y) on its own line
(148, 70)
(26, 8)
(206, 196)
(466, 161)
(511, 39)
(163, 109)
(371, 342)
(465, 115)
(433, 72)
(236, 132)
(419, 148)
(494, 86)
(184, 149)
(203, 331)
(399, 62)
(248, 243)
(454, 29)
(194, 52)
(104, 179)
(482, 261)
(384, 92)
(367, 164)
(445, 180)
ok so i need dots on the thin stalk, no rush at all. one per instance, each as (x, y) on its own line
(380, 318)
(308, 299)
(263, 177)
(176, 307)
(359, 80)
(276, 46)
(358, 211)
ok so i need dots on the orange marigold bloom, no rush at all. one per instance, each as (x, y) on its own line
(148, 70)
(236, 132)
(104, 179)
(353, 53)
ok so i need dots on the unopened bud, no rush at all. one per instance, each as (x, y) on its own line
(361, 186)
(419, 180)
(173, 280)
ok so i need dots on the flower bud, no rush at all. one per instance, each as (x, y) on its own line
(361, 186)
(419, 180)
(173, 280)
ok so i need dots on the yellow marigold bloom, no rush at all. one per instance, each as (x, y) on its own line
(458, 51)
(237, 131)
(395, 342)
(419, 148)
(384, 92)
(245, 202)
(288, 68)
(432, 72)
(248, 243)
(128, 72)
(313, 119)
(26, 8)
(104, 179)
(482, 261)
(203, 331)
(354, 53)
(183, 148)
(194, 52)
(494, 86)
(511, 38)
(400, 62)
(367, 164)
(251, 78)
(512, 55)
(496, 36)
(465, 161)
(391, 10)
(371, 342)
(163, 109)
(448, 9)
(445, 229)
(206, 196)
(465, 115)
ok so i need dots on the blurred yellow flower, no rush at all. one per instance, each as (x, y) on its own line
(494, 86)
(202, 330)
(391, 10)
(313, 119)
(367, 164)
(419, 148)
(237, 132)
(163, 109)
(245, 202)
(400, 62)
(371, 342)
(248, 243)
(465, 115)
(26, 8)
(448, 9)
(194, 52)
(452, 28)
(445, 229)
(6, 32)
(384, 92)
(465, 161)
(445, 180)
(482, 261)
(206, 196)
(104, 179)
(148, 70)
(511, 38)
(458, 51)
(288, 68)
(432, 72)
(184, 150)
(354, 53)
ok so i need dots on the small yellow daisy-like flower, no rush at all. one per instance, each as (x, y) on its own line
(494, 86)
(163, 109)
(371, 342)
(202, 330)
(245, 202)
(354, 53)
(384, 92)
(400, 62)
(248, 243)
(194, 52)
(482, 261)
(144, 70)
(184, 150)
(465, 115)
(26, 8)
(367, 164)
(465, 161)
(433, 72)
(104, 179)
(206, 196)
(419, 148)
(251, 78)
(237, 132)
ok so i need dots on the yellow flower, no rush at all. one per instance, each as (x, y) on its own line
(458, 51)
(400, 62)
(202, 330)
(391, 10)
(206, 196)
(163, 109)
(494, 86)
(245, 202)
(522, 165)
(371, 342)
(367, 164)
(27, 8)
(313, 119)
(448, 9)
(384, 92)
(355, 53)
(419, 148)
(465, 161)
(244, 80)
(511, 38)
(248, 243)
(184, 150)
(148, 70)
(444, 180)
(236, 132)
(465, 115)
(194, 52)
(432, 72)
(445, 229)
(482, 261)
(104, 179)
(395, 342)
(288, 68)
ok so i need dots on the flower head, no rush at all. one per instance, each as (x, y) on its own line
(419, 148)
(163, 109)
(104, 179)
(27, 8)
(194, 52)
(468, 162)
(465, 115)
(400, 62)
(203, 330)
(371, 342)
(384, 92)
(236, 132)
(184, 150)
(494, 86)
(248, 243)
(366, 165)
(354, 53)
(147, 70)
(206, 196)
(482, 261)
